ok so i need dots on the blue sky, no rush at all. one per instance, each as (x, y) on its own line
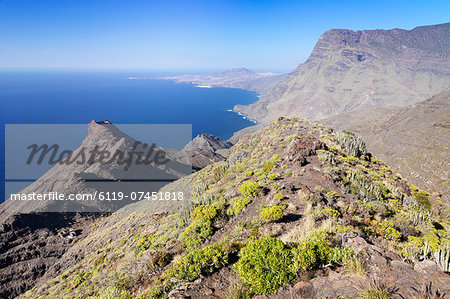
(188, 35)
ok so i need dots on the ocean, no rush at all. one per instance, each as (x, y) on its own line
(77, 97)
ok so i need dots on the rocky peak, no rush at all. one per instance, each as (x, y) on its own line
(206, 149)
(207, 142)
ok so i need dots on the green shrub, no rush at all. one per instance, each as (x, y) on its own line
(202, 261)
(290, 137)
(386, 229)
(201, 227)
(250, 189)
(276, 158)
(350, 160)
(422, 199)
(312, 253)
(197, 233)
(264, 265)
(339, 254)
(347, 257)
(413, 248)
(238, 203)
(143, 243)
(267, 167)
(112, 292)
(249, 173)
(331, 213)
(272, 213)
(204, 212)
(278, 196)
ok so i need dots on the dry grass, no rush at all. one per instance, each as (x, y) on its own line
(237, 290)
(355, 265)
(308, 225)
(376, 289)
(299, 233)
(427, 292)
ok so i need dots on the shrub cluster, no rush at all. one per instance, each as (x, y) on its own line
(386, 229)
(264, 264)
(198, 262)
(250, 189)
(201, 227)
(354, 145)
(312, 253)
(331, 213)
(272, 212)
(276, 158)
(237, 204)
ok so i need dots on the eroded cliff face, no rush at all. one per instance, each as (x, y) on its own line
(351, 70)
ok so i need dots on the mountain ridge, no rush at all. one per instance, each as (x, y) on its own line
(291, 193)
(352, 70)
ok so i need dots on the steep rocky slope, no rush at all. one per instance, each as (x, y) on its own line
(414, 139)
(31, 243)
(352, 70)
(296, 210)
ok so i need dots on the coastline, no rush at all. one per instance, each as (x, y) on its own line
(244, 116)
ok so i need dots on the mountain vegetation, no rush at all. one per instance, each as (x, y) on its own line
(413, 139)
(296, 209)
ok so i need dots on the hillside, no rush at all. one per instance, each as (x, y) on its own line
(413, 139)
(352, 70)
(36, 234)
(296, 210)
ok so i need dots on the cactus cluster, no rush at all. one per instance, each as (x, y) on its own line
(199, 189)
(442, 257)
(420, 215)
(354, 145)
(219, 172)
(327, 157)
(366, 190)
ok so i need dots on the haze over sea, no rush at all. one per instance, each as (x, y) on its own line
(77, 97)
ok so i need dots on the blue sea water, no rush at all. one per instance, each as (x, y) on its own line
(76, 97)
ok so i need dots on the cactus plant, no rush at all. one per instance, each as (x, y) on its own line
(354, 145)
(442, 258)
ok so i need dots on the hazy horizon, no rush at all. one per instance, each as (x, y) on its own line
(196, 36)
